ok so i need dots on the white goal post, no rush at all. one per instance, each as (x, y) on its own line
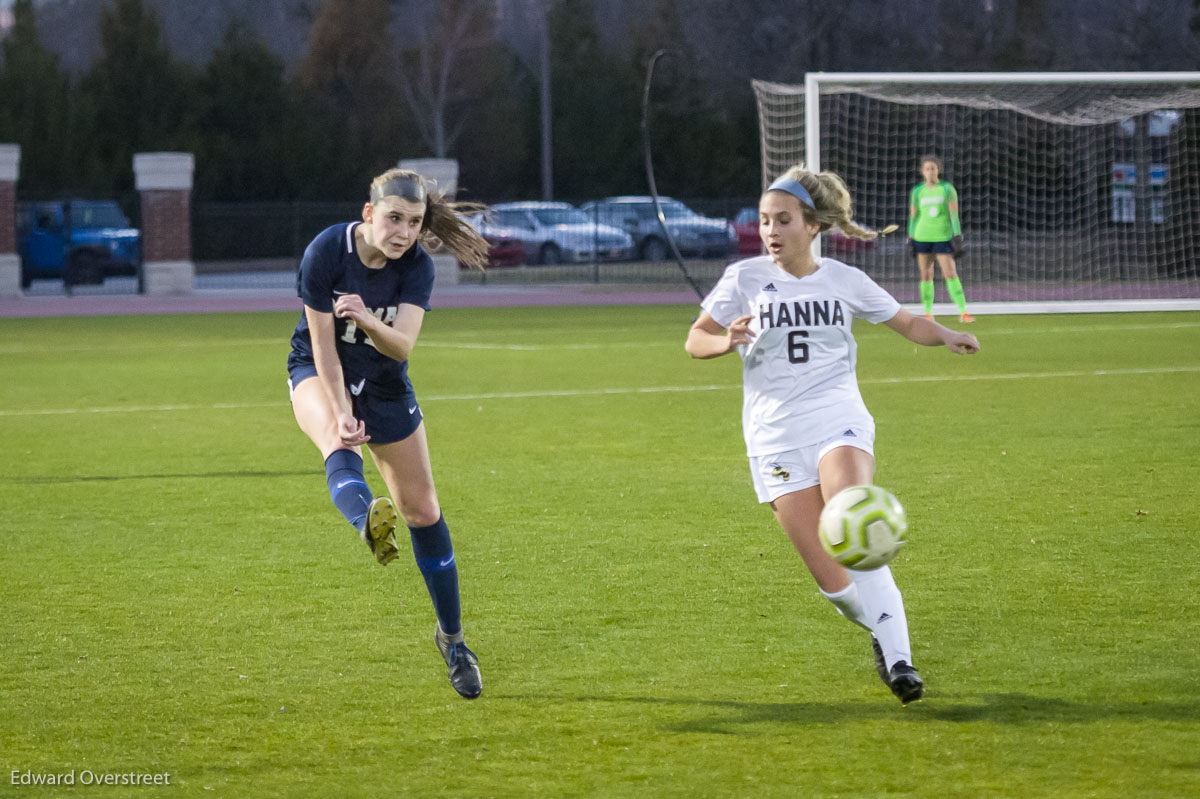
(1075, 189)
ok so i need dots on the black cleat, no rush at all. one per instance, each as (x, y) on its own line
(906, 683)
(462, 664)
(880, 664)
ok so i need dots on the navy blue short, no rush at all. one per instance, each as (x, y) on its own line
(387, 418)
(933, 247)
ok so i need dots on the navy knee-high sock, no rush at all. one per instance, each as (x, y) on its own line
(347, 487)
(435, 559)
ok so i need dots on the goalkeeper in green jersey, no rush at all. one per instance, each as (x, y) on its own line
(934, 233)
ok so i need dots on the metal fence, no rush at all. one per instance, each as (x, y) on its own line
(233, 232)
(255, 247)
(249, 245)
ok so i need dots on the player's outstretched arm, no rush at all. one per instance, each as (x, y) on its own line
(929, 333)
(707, 339)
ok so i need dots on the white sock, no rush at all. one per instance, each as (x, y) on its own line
(883, 611)
(847, 603)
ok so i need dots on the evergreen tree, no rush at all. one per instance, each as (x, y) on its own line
(247, 142)
(137, 98)
(1029, 47)
(703, 144)
(350, 91)
(35, 106)
(596, 109)
(496, 148)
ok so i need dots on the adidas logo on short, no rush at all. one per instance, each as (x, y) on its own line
(770, 287)
(882, 618)
(849, 434)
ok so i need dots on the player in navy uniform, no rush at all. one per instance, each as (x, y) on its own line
(808, 433)
(366, 287)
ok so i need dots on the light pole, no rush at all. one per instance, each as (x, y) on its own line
(544, 64)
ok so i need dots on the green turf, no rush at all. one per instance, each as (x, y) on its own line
(177, 593)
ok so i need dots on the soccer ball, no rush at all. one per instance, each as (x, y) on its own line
(862, 527)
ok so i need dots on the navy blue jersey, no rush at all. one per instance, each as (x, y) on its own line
(331, 267)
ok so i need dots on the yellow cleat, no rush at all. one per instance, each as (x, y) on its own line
(380, 532)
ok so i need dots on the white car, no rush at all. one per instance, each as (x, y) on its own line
(556, 232)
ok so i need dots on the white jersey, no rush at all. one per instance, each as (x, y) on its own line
(798, 376)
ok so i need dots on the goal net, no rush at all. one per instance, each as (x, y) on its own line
(1071, 186)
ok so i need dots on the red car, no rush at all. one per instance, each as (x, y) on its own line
(504, 251)
(745, 224)
(835, 241)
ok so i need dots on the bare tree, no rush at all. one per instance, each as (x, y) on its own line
(442, 72)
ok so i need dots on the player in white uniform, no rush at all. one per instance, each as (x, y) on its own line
(808, 433)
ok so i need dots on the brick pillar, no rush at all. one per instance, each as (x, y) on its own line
(443, 172)
(10, 261)
(165, 183)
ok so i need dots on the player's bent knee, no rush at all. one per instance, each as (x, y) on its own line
(420, 515)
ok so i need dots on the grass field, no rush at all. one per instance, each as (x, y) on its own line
(178, 595)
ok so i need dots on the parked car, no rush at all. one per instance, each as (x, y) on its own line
(504, 250)
(77, 241)
(745, 224)
(555, 232)
(833, 241)
(694, 235)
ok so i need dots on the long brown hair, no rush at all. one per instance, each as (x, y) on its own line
(443, 224)
(833, 206)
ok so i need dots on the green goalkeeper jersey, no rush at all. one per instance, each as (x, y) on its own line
(934, 220)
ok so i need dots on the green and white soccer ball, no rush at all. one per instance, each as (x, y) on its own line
(862, 527)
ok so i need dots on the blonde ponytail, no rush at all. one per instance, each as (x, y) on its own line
(832, 206)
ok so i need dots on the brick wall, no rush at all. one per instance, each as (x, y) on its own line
(166, 225)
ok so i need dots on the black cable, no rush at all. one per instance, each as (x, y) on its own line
(662, 221)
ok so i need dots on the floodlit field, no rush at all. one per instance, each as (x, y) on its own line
(178, 594)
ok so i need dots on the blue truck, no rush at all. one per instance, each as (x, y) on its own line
(76, 241)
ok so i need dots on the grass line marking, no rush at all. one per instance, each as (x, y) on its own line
(469, 345)
(1016, 331)
(599, 392)
(1163, 370)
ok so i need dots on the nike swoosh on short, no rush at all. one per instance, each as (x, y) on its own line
(412, 410)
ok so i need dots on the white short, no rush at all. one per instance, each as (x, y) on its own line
(794, 470)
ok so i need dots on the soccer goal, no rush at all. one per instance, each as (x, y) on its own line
(1075, 189)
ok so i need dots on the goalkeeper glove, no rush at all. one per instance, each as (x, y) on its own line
(957, 243)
